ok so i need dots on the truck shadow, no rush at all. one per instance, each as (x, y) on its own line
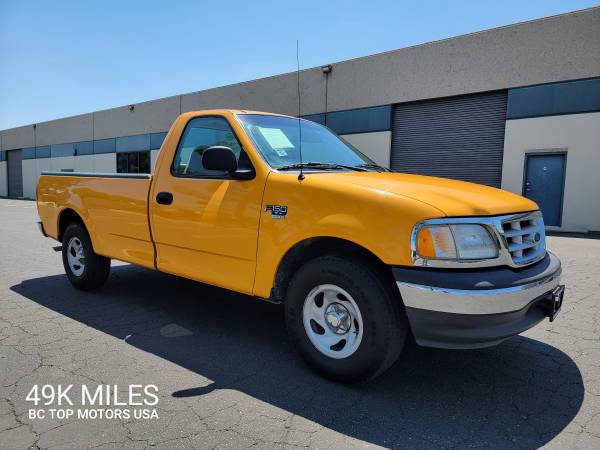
(521, 393)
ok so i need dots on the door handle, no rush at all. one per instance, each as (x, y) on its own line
(164, 198)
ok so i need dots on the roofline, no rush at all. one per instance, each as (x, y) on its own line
(373, 55)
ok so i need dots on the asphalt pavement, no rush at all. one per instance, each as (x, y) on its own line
(226, 375)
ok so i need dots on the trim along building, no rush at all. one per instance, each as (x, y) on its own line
(516, 107)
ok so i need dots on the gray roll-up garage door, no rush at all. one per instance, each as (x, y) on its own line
(14, 170)
(456, 137)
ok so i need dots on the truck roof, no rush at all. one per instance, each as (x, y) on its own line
(233, 111)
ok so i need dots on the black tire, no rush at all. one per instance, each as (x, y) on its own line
(384, 320)
(95, 268)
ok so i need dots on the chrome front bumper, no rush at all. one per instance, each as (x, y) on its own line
(477, 308)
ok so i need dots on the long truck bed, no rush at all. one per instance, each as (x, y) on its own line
(113, 206)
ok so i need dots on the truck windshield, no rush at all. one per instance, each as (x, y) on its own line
(278, 140)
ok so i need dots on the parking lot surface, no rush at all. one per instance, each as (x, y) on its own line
(227, 376)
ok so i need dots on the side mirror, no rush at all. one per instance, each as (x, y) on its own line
(219, 158)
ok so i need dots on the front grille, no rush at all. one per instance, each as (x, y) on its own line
(525, 237)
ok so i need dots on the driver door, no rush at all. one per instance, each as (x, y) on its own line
(209, 230)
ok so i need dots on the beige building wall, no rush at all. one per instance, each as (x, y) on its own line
(147, 117)
(376, 146)
(3, 180)
(20, 137)
(579, 136)
(70, 129)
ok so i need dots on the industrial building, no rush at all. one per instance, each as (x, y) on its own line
(516, 107)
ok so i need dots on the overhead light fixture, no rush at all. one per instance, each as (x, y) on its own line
(326, 69)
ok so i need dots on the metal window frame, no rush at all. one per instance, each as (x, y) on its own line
(204, 177)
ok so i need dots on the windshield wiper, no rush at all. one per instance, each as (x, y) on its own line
(373, 166)
(321, 165)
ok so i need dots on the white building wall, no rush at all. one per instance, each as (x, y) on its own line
(153, 156)
(105, 163)
(376, 146)
(62, 163)
(579, 136)
(84, 163)
(3, 180)
(29, 177)
(32, 168)
(41, 165)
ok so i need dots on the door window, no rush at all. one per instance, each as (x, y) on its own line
(200, 134)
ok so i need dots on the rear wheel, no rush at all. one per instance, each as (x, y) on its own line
(85, 269)
(345, 319)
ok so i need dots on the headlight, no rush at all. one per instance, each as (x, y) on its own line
(455, 242)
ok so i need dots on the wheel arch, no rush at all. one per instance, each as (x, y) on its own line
(313, 247)
(66, 217)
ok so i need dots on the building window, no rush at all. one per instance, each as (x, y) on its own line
(42, 152)
(133, 162)
(104, 146)
(317, 118)
(135, 143)
(58, 150)
(28, 153)
(362, 120)
(156, 140)
(84, 148)
(570, 97)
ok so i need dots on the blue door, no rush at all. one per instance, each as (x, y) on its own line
(544, 184)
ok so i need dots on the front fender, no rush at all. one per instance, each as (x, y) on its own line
(379, 222)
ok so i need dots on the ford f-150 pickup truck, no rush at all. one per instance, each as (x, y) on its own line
(282, 209)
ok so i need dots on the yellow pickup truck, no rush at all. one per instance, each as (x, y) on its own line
(282, 209)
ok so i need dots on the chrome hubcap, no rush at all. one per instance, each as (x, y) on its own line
(338, 318)
(75, 256)
(332, 321)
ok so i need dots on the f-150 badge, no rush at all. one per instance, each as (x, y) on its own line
(277, 211)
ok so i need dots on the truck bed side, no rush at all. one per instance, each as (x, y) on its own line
(113, 207)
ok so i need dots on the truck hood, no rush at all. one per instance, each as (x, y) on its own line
(453, 198)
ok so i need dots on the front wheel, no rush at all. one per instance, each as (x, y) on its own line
(345, 319)
(85, 269)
